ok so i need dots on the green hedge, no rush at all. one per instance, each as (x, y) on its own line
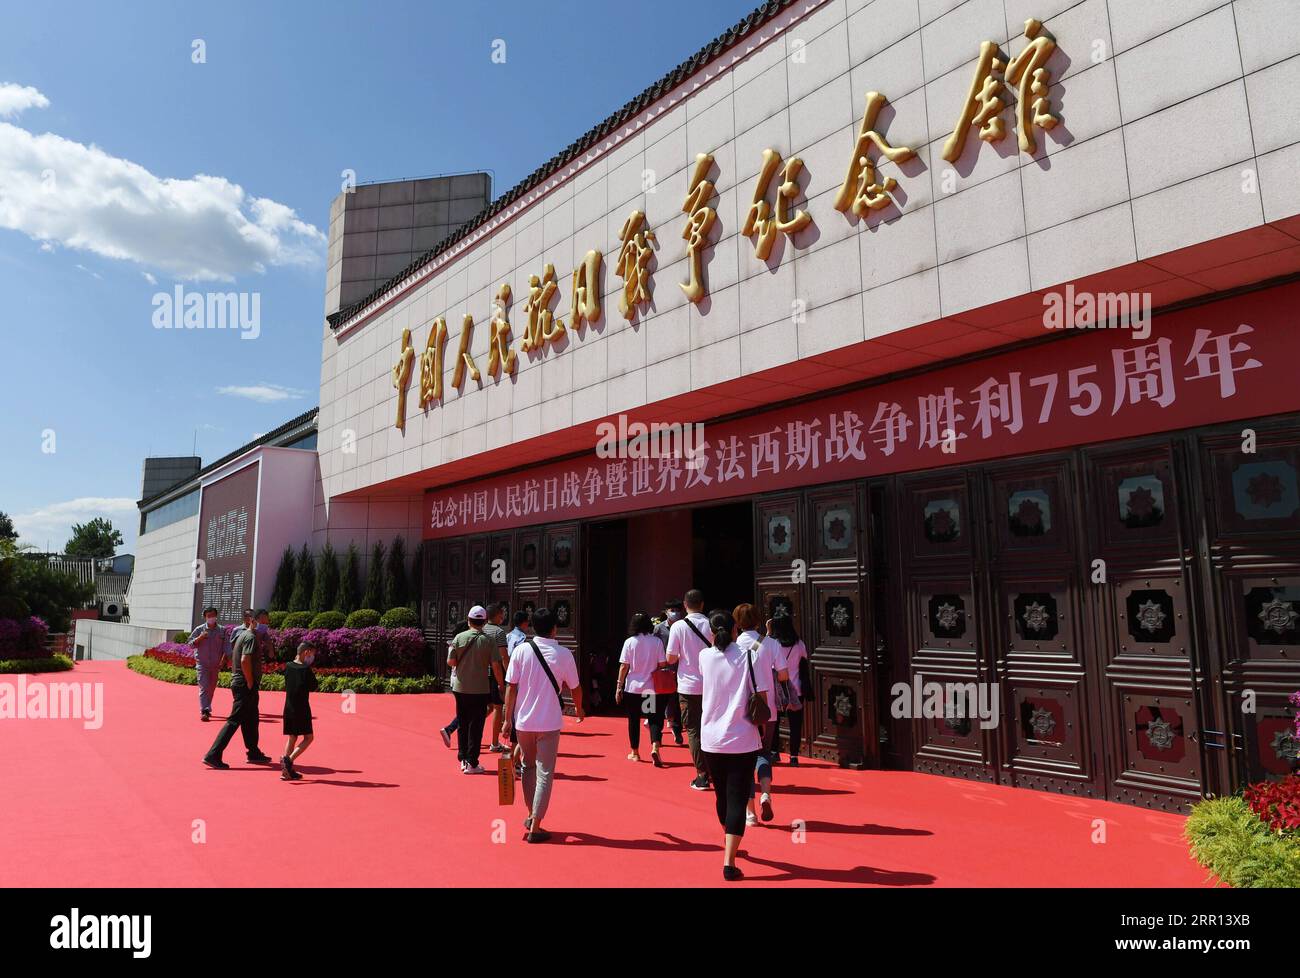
(276, 618)
(56, 663)
(296, 619)
(363, 618)
(1228, 839)
(399, 617)
(329, 619)
(274, 681)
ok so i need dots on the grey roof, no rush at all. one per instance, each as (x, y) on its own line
(306, 420)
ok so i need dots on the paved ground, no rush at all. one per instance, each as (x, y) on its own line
(383, 803)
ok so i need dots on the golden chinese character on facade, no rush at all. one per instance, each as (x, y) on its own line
(402, 377)
(984, 99)
(1032, 82)
(431, 363)
(761, 220)
(634, 263)
(543, 325)
(464, 359)
(586, 291)
(861, 190)
(699, 221)
(499, 352)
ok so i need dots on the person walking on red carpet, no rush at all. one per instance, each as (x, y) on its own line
(299, 683)
(686, 640)
(642, 654)
(534, 709)
(472, 654)
(211, 644)
(768, 656)
(245, 682)
(734, 699)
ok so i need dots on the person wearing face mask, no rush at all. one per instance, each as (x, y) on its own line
(245, 681)
(299, 682)
(211, 644)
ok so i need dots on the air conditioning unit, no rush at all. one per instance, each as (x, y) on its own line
(112, 611)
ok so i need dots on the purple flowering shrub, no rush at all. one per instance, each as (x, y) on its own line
(23, 639)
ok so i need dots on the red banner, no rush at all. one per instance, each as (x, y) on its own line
(1236, 358)
(227, 528)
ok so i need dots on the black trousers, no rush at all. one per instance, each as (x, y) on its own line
(471, 711)
(645, 706)
(243, 717)
(673, 712)
(795, 719)
(732, 774)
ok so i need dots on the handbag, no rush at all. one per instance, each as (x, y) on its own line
(505, 780)
(757, 709)
(785, 698)
(664, 679)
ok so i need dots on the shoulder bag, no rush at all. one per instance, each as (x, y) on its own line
(549, 675)
(757, 710)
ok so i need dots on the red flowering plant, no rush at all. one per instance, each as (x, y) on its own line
(1276, 803)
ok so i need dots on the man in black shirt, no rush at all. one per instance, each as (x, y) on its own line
(245, 683)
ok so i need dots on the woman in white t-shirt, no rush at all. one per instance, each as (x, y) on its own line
(642, 654)
(796, 654)
(768, 659)
(729, 740)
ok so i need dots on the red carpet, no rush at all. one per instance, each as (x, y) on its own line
(384, 804)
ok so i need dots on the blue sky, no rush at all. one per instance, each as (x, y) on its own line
(127, 168)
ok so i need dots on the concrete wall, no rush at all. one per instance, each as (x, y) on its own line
(378, 229)
(1151, 156)
(162, 589)
(115, 640)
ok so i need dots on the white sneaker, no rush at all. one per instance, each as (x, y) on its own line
(751, 818)
(476, 769)
(463, 766)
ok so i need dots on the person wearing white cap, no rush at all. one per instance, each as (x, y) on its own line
(471, 654)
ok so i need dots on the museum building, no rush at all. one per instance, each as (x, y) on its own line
(972, 328)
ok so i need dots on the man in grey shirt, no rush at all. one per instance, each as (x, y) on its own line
(211, 645)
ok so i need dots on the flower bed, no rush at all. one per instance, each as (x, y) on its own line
(157, 668)
(23, 638)
(375, 651)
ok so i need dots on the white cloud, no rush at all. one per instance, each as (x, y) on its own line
(149, 278)
(202, 228)
(15, 99)
(51, 525)
(263, 393)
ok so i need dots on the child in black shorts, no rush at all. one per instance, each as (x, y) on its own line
(299, 681)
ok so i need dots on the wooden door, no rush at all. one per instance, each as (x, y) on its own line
(944, 574)
(1039, 627)
(1144, 626)
(1252, 503)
